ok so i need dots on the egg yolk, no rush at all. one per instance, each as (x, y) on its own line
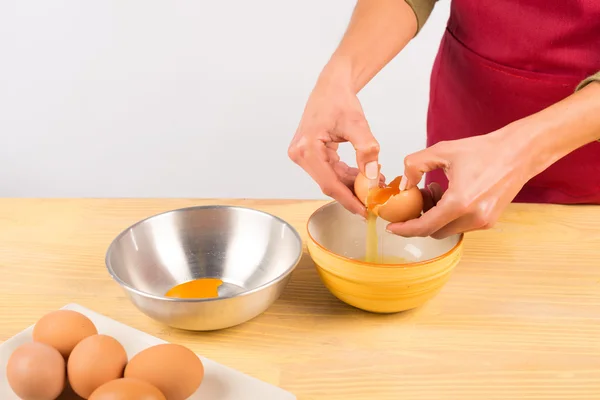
(202, 288)
(379, 195)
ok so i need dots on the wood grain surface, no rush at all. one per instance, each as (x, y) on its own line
(519, 318)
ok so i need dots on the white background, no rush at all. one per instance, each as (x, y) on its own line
(132, 98)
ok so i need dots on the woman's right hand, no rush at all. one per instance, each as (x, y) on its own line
(333, 115)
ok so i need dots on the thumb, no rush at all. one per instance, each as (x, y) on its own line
(366, 147)
(417, 164)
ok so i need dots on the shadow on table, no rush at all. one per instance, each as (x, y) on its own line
(68, 394)
(306, 294)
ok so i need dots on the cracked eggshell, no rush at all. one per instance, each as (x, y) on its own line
(401, 207)
(361, 186)
(389, 202)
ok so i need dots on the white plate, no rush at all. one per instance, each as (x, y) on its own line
(220, 382)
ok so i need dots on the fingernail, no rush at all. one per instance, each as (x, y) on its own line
(371, 170)
(403, 183)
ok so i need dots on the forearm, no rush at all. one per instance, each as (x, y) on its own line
(561, 128)
(378, 31)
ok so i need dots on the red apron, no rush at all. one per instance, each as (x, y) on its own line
(500, 61)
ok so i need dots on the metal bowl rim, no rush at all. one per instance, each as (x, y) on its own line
(272, 282)
(372, 265)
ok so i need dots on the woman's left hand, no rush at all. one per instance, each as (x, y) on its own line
(485, 173)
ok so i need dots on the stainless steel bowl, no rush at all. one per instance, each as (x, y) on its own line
(251, 251)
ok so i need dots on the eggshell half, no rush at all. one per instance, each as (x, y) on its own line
(36, 371)
(394, 205)
(127, 389)
(94, 361)
(63, 329)
(174, 369)
(402, 207)
(389, 202)
(361, 186)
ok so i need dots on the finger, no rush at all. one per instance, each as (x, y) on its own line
(467, 223)
(417, 164)
(332, 145)
(332, 155)
(333, 187)
(444, 212)
(436, 192)
(431, 195)
(358, 133)
(315, 162)
(461, 225)
(346, 174)
(428, 202)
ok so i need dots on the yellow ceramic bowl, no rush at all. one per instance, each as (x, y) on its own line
(337, 243)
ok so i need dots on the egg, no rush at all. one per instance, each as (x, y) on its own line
(389, 202)
(94, 361)
(63, 329)
(174, 369)
(127, 389)
(36, 371)
(361, 186)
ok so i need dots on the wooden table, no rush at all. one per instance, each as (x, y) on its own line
(519, 319)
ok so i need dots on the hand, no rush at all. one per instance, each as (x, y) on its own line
(485, 173)
(333, 115)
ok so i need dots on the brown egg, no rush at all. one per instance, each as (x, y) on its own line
(63, 329)
(36, 371)
(389, 202)
(361, 186)
(127, 389)
(174, 369)
(94, 361)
